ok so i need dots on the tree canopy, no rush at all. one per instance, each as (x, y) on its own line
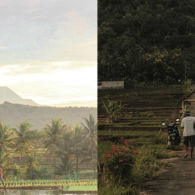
(146, 40)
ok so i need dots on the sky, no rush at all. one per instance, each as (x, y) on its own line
(48, 50)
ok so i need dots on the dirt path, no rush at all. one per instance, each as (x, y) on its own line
(178, 180)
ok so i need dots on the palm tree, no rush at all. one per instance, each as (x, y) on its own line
(90, 127)
(23, 139)
(5, 138)
(6, 141)
(53, 133)
(32, 166)
(78, 149)
(64, 153)
(4, 159)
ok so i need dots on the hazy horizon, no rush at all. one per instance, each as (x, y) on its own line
(77, 104)
(48, 51)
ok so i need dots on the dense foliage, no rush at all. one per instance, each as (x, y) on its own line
(150, 41)
(57, 152)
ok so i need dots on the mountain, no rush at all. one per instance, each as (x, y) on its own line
(39, 116)
(8, 95)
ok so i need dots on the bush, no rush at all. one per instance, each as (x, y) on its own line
(119, 163)
(114, 109)
(146, 164)
(175, 148)
(160, 138)
(118, 190)
(43, 173)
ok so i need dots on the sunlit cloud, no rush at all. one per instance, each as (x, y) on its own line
(56, 87)
(49, 50)
(47, 67)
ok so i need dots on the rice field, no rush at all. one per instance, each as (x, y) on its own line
(62, 184)
(145, 110)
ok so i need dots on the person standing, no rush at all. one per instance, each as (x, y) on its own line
(187, 124)
(1, 175)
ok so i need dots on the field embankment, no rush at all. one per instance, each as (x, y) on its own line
(145, 108)
(140, 121)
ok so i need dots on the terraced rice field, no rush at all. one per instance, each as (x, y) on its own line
(145, 109)
(142, 117)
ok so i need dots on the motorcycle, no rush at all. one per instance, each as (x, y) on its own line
(173, 133)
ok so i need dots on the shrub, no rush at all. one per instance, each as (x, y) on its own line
(43, 173)
(160, 138)
(119, 163)
(146, 164)
(114, 109)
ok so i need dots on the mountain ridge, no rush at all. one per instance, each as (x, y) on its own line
(39, 116)
(8, 95)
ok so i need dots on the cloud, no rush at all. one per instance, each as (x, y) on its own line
(72, 65)
(47, 46)
(56, 30)
(55, 87)
(15, 69)
(33, 3)
(3, 47)
(3, 3)
(76, 23)
(46, 67)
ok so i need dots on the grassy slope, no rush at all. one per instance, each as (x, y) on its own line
(145, 108)
(145, 111)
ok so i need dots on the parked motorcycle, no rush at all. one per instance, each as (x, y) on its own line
(173, 133)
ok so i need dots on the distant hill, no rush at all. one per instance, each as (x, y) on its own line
(8, 95)
(39, 116)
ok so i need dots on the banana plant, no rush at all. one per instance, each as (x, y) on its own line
(114, 109)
